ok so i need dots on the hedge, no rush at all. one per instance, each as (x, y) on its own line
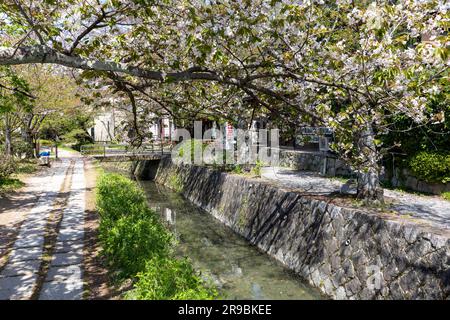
(431, 166)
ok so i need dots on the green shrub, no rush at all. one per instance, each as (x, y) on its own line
(256, 170)
(21, 148)
(238, 169)
(431, 166)
(138, 246)
(8, 185)
(27, 166)
(7, 166)
(170, 279)
(46, 143)
(77, 138)
(130, 241)
(446, 195)
(118, 196)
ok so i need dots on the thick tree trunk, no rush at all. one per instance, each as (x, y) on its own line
(28, 138)
(369, 188)
(8, 146)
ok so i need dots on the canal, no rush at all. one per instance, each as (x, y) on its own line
(239, 270)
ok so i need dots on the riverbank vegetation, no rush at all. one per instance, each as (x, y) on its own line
(139, 247)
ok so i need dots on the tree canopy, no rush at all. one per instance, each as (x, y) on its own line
(359, 67)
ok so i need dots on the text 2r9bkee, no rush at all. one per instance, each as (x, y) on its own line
(258, 309)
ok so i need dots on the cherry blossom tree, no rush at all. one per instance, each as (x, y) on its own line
(355, 66)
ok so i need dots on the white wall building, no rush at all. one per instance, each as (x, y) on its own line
(106, 126)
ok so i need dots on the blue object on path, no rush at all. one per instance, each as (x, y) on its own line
(44, 154)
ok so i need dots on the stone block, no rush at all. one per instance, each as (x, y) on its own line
(22, 254)
(17, 288)
(396, 291)
(29, 240)
(328, 287)
(64, 272)
(340, 294)
(348, 268)
(62, 290)
(66, 246)
(338, 278)
(17, 268)
(67, 258)
(353, 286)
(366, 294)
(70, 235)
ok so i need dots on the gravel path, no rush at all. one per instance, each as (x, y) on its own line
(432, 209)
(19, 279)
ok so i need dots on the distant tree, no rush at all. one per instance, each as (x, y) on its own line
(56, 96)
(15, 98)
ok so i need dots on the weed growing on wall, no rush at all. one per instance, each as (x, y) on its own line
(175, 182)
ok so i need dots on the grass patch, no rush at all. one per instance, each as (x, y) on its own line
(139, 247)
(9, 184)
(166, 278)
(27, 166)
(341, 179)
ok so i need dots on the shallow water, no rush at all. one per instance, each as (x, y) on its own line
(239, 270)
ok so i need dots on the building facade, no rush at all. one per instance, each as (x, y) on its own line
(106, 127)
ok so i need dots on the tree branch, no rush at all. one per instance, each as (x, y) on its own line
(46, 55)
(18, 91)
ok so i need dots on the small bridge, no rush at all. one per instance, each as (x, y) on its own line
(121, 152)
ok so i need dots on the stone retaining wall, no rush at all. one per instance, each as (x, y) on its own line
(313, 161)
(405, 179)
(346, 253)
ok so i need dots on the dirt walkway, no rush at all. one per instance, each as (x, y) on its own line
(16, 205)
(49, 241)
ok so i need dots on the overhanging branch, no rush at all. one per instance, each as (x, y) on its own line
(46, 55)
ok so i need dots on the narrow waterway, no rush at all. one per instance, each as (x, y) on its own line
(239, 270)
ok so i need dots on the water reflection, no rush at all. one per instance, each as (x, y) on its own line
(239, 270)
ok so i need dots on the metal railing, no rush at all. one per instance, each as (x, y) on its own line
(105, 150)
